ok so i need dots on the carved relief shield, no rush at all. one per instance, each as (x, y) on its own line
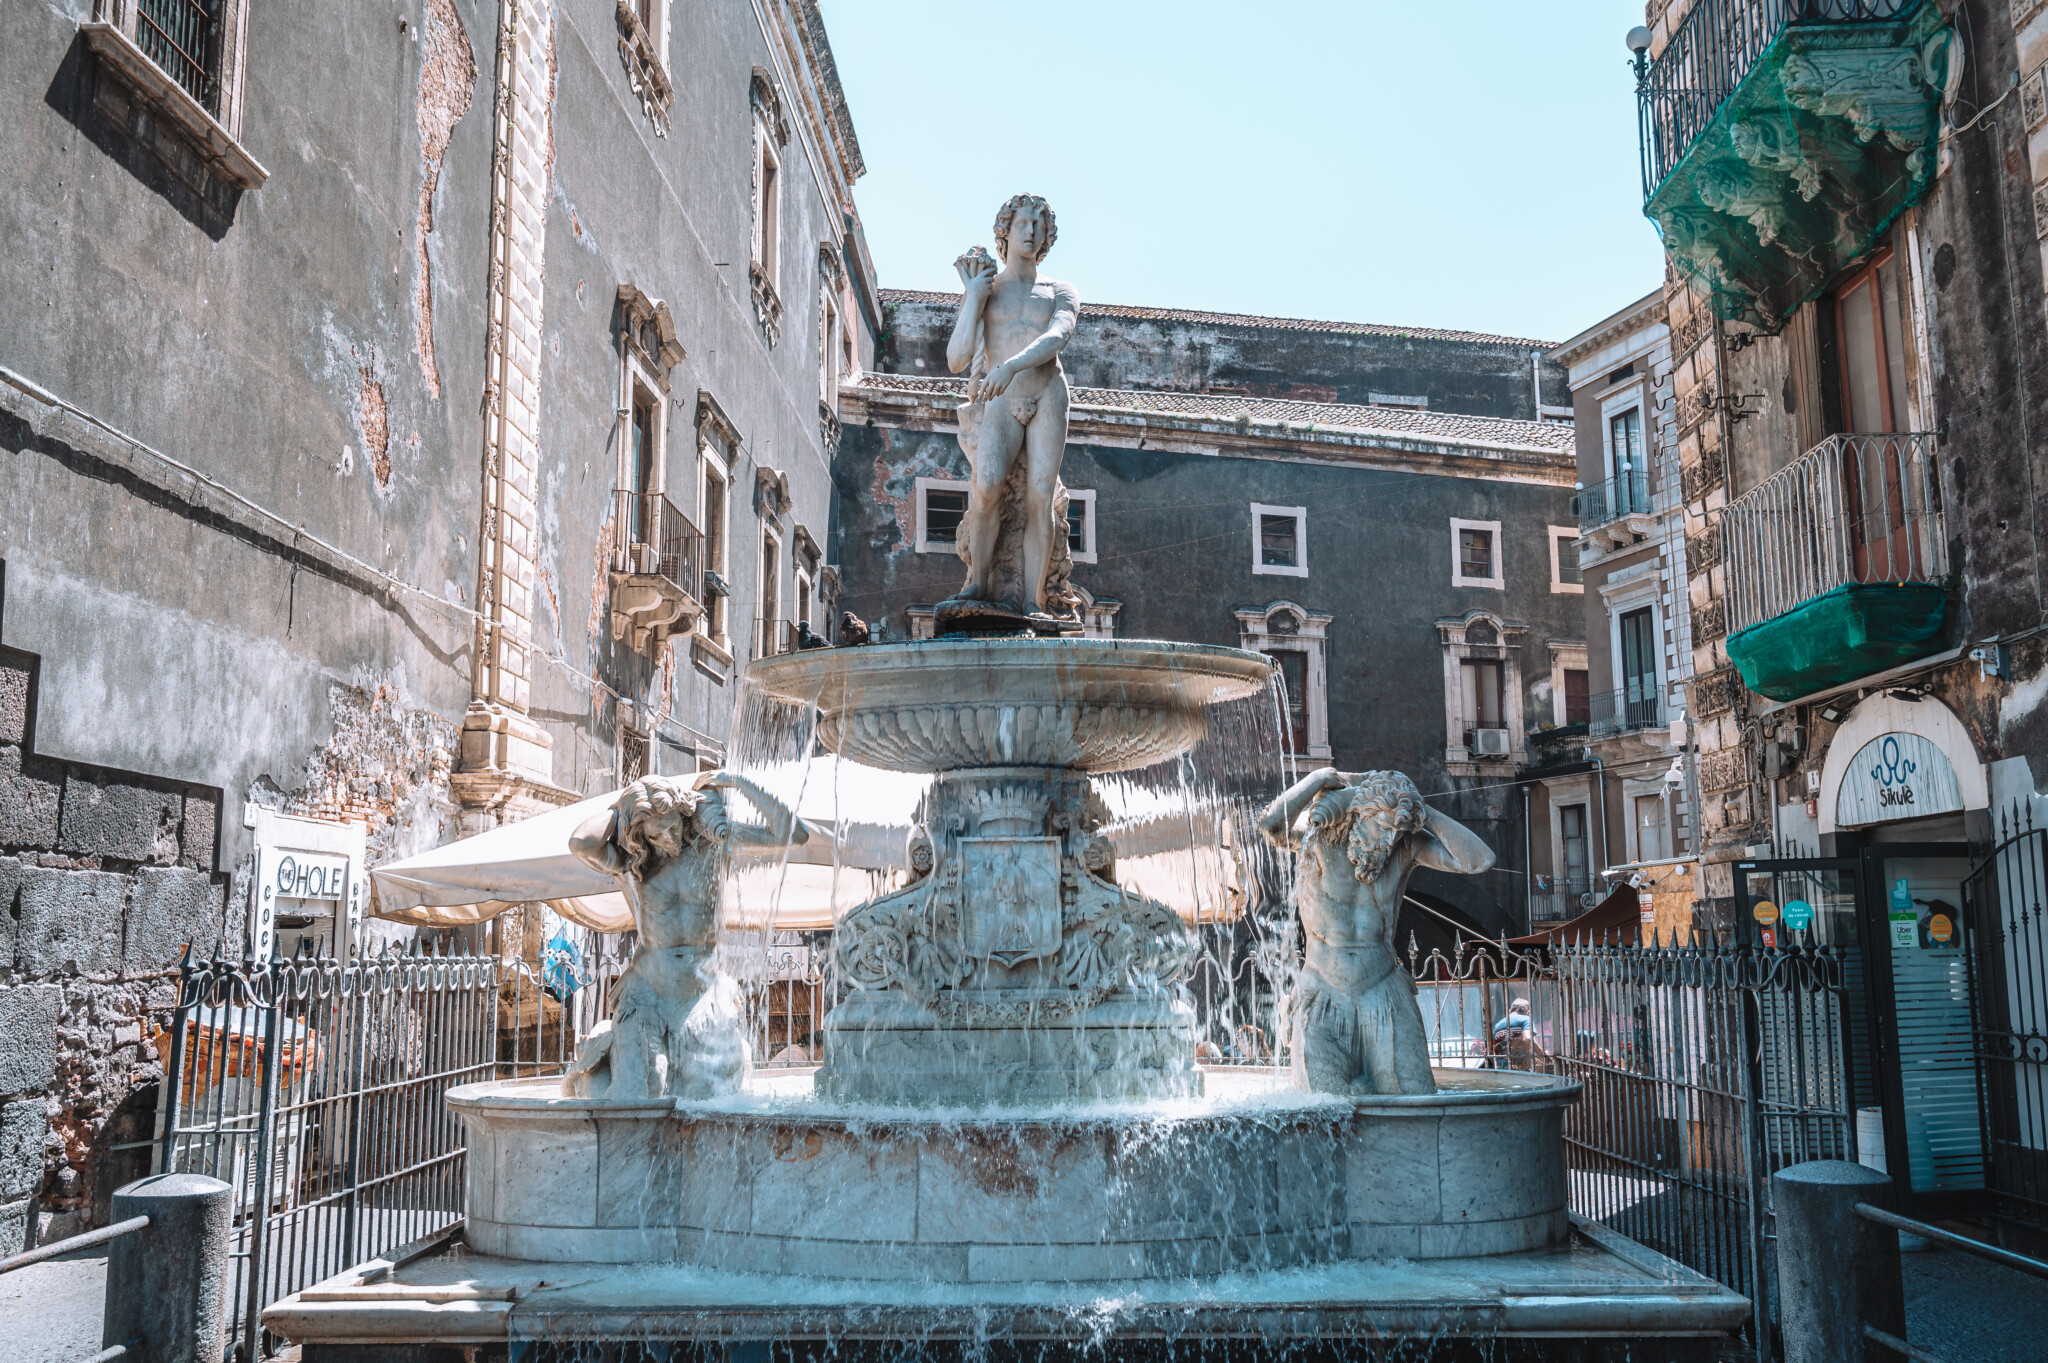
(1010, 898)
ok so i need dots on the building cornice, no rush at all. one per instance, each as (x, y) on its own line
(1645, 311)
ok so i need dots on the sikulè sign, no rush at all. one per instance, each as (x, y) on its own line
(1897, 776)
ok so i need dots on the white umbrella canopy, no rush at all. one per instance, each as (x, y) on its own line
(473, 879)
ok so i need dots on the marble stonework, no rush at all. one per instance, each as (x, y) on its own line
(1241, 1185)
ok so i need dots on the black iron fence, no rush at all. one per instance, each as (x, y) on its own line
(660, 540)
(1600, 503)
(1716, 45)
(2005, 901)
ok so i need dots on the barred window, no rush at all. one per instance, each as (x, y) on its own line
(183, 38)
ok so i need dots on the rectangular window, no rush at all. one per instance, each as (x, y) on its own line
(1639, 707)
(640, 466)
(1081, 524)
(1578, 702)
(1565, 574)
(1483, 698)
(1294, 676)
(1280, 540)
(1577, 858)
(714, 546)
(1653, 837)
(1625, 446)
(771, 597)
(1873, 361)
(941, 506)
(803, 599)
(767, 248)
(183, 38)
(1476, 554)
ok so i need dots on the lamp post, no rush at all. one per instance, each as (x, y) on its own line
(1639, 43)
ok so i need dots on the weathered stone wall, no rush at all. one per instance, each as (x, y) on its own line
(104, 881)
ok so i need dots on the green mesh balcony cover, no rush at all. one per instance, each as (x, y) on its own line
(1826, 140)
(1837, 637)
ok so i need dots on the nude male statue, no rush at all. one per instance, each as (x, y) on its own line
(675, 1028)
(1011, 329)
(1356, 1025)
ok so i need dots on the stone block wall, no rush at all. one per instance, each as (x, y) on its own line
(105, 878)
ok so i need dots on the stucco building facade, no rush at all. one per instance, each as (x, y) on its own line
(393, 446)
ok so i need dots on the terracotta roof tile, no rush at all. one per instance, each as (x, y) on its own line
(1239, 319)
(1550, 438)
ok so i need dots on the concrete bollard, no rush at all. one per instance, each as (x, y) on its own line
(167, 1283)
(1836, 1271)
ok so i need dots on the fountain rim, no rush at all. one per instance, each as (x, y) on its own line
(1517, 1091)
(780, 674)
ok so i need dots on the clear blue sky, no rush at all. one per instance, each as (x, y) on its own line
(1421, 164)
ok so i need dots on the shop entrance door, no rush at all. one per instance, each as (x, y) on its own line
(1922, 1021)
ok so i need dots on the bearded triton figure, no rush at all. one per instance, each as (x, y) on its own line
(1010, 331)
(675, 1028)
(1356, 1025)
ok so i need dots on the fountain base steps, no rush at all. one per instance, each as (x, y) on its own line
(1595, 1295)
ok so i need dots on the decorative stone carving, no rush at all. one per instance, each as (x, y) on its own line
(650, 328)
(1353, 1017)
(675, 1029)
(772, 499)
(645, 71)
(1013, 429)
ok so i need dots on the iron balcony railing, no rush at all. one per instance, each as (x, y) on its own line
(1624, 711)
(1854, 508)
(1709, 56)
(660, 540)
(1602, 503)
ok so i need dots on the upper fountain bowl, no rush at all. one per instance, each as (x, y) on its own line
(934, 705)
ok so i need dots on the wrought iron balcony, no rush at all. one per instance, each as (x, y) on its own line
(1778, 136)
(1627, 710)
(1553, 899)
(1616, 499)
(658, 569)
(1836, 563)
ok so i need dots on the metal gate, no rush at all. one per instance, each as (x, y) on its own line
(315, 1088)
(2005, 900)
(1706, 1068)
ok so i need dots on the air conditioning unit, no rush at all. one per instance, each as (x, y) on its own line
(1490, 742)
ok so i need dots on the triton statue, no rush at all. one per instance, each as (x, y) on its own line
(675, 1029)
(1011, 329)
(1356, 1025)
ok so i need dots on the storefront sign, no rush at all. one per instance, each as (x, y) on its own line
(1765, 912)
(1770, 937)
(1798, 915)
(309, 875)
(1897, 776)
(1941, 928)
(1905, 924)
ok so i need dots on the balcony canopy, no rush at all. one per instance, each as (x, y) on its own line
(1781, 138)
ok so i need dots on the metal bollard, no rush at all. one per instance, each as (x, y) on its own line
(167, 1284)
(1836, 1271)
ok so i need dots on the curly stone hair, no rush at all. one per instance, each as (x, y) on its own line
(1009, 211)
(1335, 819)
(658, 816)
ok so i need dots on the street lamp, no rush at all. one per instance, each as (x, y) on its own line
(1639, 43)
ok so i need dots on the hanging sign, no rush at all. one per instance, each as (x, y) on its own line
(1905, 923)
(1798, 915)
(1765, 912)
(1897, 776)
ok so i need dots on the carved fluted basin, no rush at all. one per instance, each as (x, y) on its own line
(933, 705)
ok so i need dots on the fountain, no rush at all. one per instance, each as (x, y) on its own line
(1010, 1136)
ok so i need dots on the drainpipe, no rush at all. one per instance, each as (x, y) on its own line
(1536, 385)
(1528, 866)
(1600, 774)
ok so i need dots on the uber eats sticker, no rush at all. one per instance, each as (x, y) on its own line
(1905, 923)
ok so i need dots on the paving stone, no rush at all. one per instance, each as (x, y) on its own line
(28, 805)
(28, 1036)
(171, 906)
(23, 1125)
(109, 819)
(70, 921)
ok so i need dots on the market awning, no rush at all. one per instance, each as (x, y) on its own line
(474, 879)
(1615, 919)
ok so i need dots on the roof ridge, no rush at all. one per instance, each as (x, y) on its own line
(1252, 319)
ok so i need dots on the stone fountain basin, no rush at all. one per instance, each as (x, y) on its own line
(933, 705)
(1252, 1177)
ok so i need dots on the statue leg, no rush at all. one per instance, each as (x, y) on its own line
(1324, 1042)
(995, 450)
(1396, 1044)
(1045, 443)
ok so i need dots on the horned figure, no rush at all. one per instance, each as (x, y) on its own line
(675, 1029)
(1355, 1023)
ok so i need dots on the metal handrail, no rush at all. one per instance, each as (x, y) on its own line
(1624, 710)
(77, 1242)
(1963, 1242)
(1603, 503)
(1707, 60)
(1855, 508)
(656, 537)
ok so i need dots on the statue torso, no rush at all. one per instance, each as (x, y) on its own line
(1345, 920)
(1015, 315)
(679, 902)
